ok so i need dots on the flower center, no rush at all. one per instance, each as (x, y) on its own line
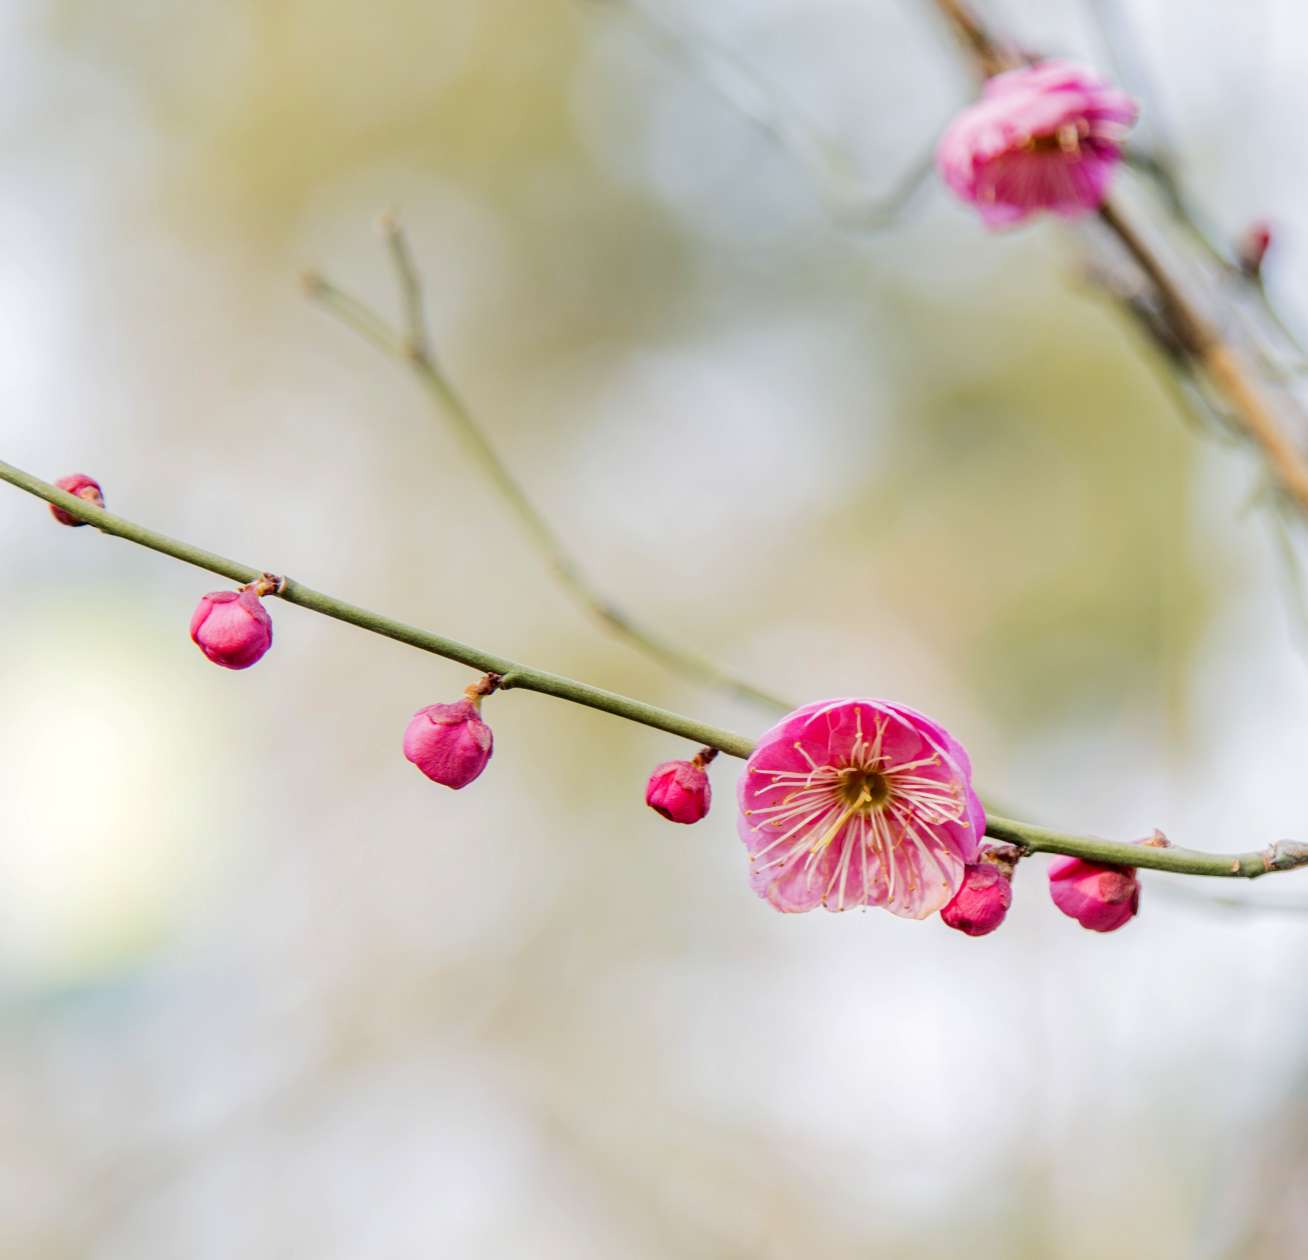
(1066, 140)
(863, 790)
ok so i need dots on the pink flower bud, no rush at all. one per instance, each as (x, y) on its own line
(1252, 247)
(680, 791)
(83, 487)
(1100, 898)
(232, 628)
(449, 742)
(981, 903)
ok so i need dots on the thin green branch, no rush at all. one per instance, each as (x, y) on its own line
(514, 674)
(415, 318)
(412, 349)
(1284, 855)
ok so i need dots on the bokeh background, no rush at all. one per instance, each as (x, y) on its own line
(267, 992)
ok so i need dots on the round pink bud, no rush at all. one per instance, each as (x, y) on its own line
(1100, 898)
(232, 628)
(449, 743)
(1252, 247)
(680, 791)
(981, 903)
(83, 487)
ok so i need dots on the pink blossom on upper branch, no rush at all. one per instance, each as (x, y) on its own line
(859, 803)
(83, 487)
(232, 628)
(1099, 898)
(1042, 137)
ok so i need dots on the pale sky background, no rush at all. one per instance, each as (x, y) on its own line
(267, 992)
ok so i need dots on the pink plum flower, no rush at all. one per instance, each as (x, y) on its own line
(232, 628)
(1042, 137)
(981, 903)
(450, 743)
(1100, 898)
(83, 487)
(680, 790)
(859, 803)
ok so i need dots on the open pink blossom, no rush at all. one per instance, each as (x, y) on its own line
(1042, 137)
(1100, 898)
(859, 803)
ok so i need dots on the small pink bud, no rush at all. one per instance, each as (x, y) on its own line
(1251, 249)
(449, 742)
(83, 487)
(1100, 898)
(680, 791)
(981, 903)
(232, 628)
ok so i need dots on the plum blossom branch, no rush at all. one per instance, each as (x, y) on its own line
(413, 348)
(510, 675)
(1192, 331)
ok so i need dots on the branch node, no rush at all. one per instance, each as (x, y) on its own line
(1005, 857)
(1285, 855)
(267, 584)
(703, 757)
(486, 685)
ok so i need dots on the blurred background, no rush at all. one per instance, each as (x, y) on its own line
(266, 991)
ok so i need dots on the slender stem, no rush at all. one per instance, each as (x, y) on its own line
(514, 675)
(415, 318)
(1223, 364)
(1284, 855)
(841, 191)
(413, 350)
(990, 55)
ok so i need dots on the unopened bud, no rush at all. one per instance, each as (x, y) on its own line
(1100, 898)
(232, 628)
(449, 743)
(1251, 249)
(83, 487)
(680, 791)
(982, 900)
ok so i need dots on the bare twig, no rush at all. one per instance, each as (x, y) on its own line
(412, 347)
(847, 199)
